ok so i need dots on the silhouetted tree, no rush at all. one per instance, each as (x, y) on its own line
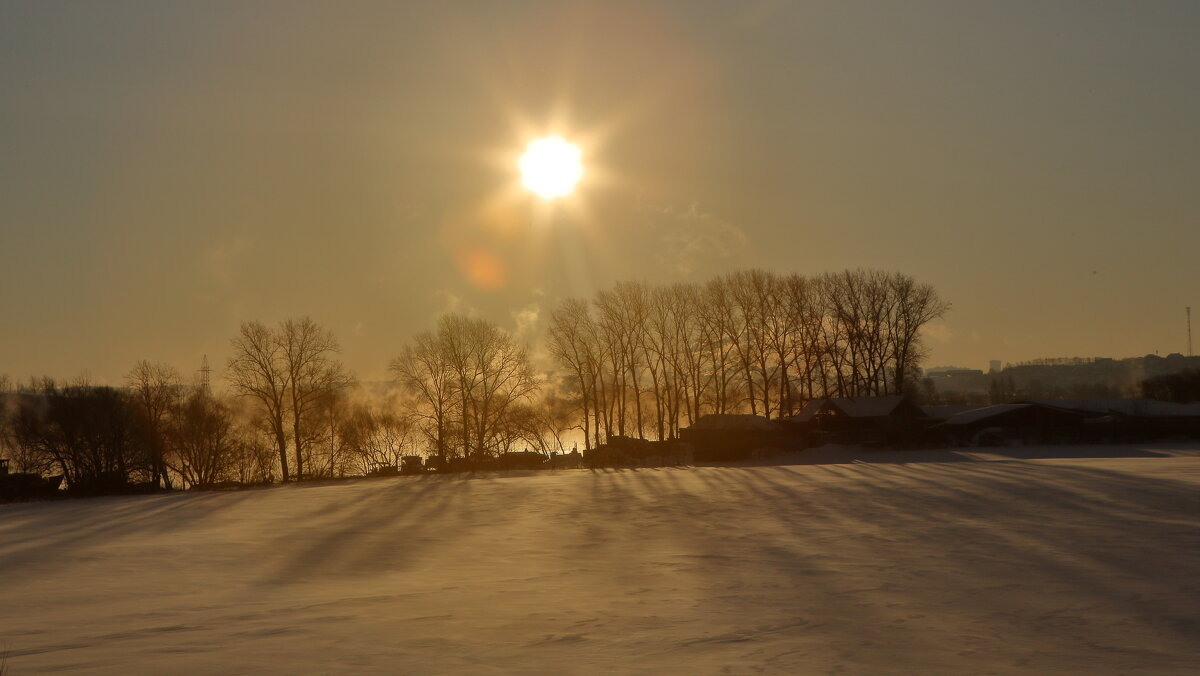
(750, 340)
(571, 341)
(1183, 387)
(93, 436)
(258, 369)
(493, 376)
(287, 370)
(6, 401)
(201, 439)
(376, 438)
(477, 367)
(254, 460)
(312, 374)
(156, 389)
(423, 370)
(916, 305)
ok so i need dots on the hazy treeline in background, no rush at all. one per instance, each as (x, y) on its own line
(1182, 388)
(1173, 378)
(636, 360)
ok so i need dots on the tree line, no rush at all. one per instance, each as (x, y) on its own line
(635, 360)
(643, 360)
(291, 411)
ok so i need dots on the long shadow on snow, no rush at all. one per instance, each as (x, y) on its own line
(389, 529)
(35, 536)
(932, 533)
(982, 541)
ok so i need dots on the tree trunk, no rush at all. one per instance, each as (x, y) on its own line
(281, 443)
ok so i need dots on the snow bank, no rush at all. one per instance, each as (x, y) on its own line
(1078, 565)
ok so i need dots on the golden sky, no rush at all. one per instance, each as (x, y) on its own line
(170, 169)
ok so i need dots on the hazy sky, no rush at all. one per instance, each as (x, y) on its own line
(168, 169)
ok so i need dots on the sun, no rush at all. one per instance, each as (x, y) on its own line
(551, 167)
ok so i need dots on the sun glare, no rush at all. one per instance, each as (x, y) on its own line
(551, 167)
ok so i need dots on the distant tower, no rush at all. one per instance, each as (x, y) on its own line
(994, 366)
(205, 376)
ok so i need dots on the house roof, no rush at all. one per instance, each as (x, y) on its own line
(731, 421)
(982, 413)
(1133, 407)
(852, 407)
(945, 411)
(810, 409)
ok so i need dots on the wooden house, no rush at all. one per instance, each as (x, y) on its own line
(724, 437)
(890, 420)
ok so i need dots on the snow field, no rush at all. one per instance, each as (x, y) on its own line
(990, 565)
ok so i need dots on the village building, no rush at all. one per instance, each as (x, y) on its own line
(1134, 418)
(724, 437)
(1030, 421)
(861, 420)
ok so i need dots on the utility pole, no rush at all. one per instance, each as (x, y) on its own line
(1189, 323)
(205, 375)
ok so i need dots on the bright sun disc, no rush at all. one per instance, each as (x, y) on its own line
(551, 167)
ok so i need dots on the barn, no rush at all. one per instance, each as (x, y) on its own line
(724, 437)
(889, 420)
(1133, 418)
(1028, 421)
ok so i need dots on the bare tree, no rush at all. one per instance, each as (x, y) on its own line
(259, 369)
(311, 373)
(570, 339)
(916, 306)
(375, 438)
(287, 370)
(479, 368)
(254, 459)
(801, 296)
(201, 437)
(504, 380)
(751, 339)
(156, 389)
(423, 370)
(92, 435)
(7, 401)
(692, 356)
(716, 327)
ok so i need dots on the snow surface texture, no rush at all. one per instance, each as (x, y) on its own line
(989, 565)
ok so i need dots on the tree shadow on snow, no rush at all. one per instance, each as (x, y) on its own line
(37, 538)
(862, 549)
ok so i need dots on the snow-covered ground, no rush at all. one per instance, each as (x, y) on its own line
(991, 564)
